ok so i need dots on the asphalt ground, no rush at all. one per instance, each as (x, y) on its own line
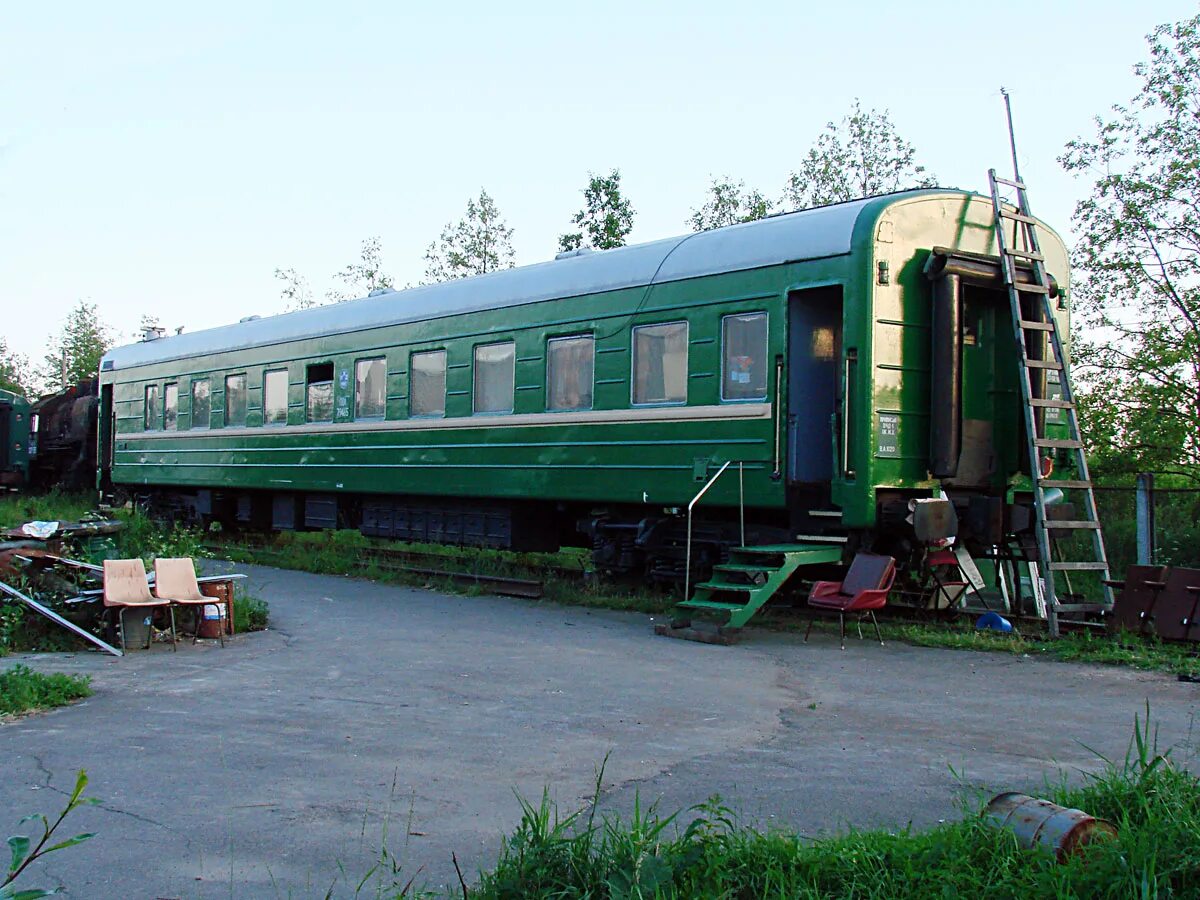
(371, 715)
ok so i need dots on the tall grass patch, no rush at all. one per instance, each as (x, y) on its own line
(24, 690)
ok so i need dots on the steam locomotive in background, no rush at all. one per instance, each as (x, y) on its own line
(50, 443)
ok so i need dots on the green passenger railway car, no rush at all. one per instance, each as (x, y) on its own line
(850, 357)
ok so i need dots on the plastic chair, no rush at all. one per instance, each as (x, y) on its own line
(126, 587)
(175, 583)
(863, 590)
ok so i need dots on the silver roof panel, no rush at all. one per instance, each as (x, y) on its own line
(813, 233)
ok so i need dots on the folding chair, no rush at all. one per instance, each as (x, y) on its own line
(944, 580)
(125, 587)
(175, 583)
(863, 590)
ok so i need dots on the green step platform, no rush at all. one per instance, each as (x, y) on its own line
(741, 587)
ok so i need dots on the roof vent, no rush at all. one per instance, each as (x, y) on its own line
(248, 319)
(153, 332)
(578, 251)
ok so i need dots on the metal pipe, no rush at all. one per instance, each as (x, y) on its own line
(851, 360)
(945, 400)
(742, 499)
(687, 567)
(777, 471)
(55, 617)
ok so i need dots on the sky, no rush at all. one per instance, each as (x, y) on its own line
(165, 159)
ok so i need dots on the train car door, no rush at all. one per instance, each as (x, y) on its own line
(814, 348)
(107, 427)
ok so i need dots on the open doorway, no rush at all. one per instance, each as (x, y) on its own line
(814, 433)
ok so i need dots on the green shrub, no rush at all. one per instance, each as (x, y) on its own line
(249, 613)
(23, 690)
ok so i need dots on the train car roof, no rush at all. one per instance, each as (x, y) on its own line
(808, 234)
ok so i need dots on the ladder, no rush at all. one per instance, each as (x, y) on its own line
(1036, 330)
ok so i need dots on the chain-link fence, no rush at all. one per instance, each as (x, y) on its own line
(1172, 529)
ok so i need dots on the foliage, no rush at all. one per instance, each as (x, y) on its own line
(55, 505)
(861, 157)
(75, 352)
(15, 373)
(23, 690)
(606, 218)
(364, 276)
(1137, 294)
(728, 202)
(1155, 806)
(24, 852)
(249, 613)
(296, 290)
(144, 537)
(478, 243)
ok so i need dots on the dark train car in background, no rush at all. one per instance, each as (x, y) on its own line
(14, 441)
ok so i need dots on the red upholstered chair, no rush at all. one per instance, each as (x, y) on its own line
(863, 590)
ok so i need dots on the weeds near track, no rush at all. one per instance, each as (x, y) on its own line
(706, 852)
(23, 690)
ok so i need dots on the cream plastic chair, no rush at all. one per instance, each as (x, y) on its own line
(125, 587)
(175, 583)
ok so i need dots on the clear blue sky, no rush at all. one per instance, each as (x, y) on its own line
(165, 158)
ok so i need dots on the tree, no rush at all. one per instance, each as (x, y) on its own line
(862, 157)
(75, 351)
(1137, 289)
(728, 203)
(295, 290)
(606, 218)
(364, 276)
(480, 242)
(15, 374)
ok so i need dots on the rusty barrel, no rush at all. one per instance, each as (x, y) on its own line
(1040, 823)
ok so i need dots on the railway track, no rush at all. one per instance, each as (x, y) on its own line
(429, 565)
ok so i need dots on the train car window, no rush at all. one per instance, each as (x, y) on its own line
(151, 421)
(319, 398)
(171, 407)
(235, 400)
(201, 403)
(275, 397)
(427, 383)
(494, 377)
(660, 363)
(570, 367)
(744, 357)
(370, 388)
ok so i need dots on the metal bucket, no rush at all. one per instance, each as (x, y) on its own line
(212, 620)
(1040, 823)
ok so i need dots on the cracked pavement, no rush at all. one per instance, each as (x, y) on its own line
(272, 767)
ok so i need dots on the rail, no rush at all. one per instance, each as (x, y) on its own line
(687, 567)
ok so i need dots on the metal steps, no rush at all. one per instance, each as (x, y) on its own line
(741, 587)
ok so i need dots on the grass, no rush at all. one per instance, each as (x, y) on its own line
(249, 613)
(343, 553)
(23, 690)
(706, 852)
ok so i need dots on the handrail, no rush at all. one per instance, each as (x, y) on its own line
(687, 569)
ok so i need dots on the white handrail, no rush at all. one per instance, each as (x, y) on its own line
(687, 570)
